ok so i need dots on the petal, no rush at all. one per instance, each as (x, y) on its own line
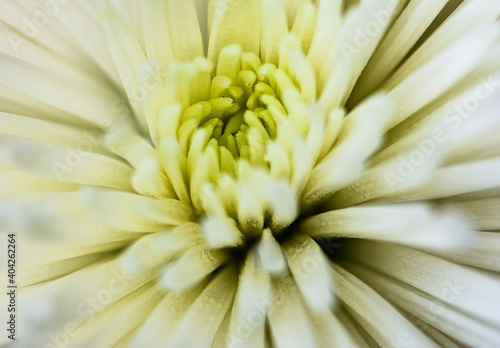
(289, 325)
(65, 163)
(397, 42)
(465, 289)
(366, 305)
(415, 224)
(206, 314)
(164, 319)
(432, 310)
(235, 21)
(133, 212)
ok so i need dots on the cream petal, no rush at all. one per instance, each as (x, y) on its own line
(447, 128)
(130, 211)
(361, 338)
(308, 265)
(58, 226)
(221, 336)
(445, 69)
(360, 136)
(91, 80)
(482, 252)
(77, 100)
(164, 319)
(289, 325)
(282, 202)
(171, 159)
(235, 21)
(458, 179)
(27, 127)
(119, 209)
(463, 288)
(328, 23)
(249, 311)
(389, 182)
(38, 23)
(74, 303)
(15, 182)
(274, 30)
(361, 34)
(191, 268)
(467, 18)
(42, 272)
(414, 224)
(107, 328)
(433, 311)
(367, 305)
(206, 313)
(157, 37)
(82, 20)
(202, 12)
(269, 254)
(220, 232)
(304, 25)
(436, 335)
(292, 7)
(128, 57)
(144, 255)
(483, 213)
(65, 163)
(17, 103)
(397, 42)
(330, 331)
(184, 29)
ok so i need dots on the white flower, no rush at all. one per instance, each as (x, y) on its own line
(252, 173)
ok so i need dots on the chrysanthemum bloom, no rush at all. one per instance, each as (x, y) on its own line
(252, 173)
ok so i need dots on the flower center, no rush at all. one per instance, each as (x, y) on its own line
(243, 113)
(238, 145)
(236, 138)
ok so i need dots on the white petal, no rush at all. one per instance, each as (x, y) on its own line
(289, 325)
(269, 254)
(235, 21)
(249, 312)
(65, 163)
(191, 268)
(309, 268)
(207, 312)
(133, 212)
(415, 224)
(164, 319)
(463, 288)
(445, 70)
(76, 298)
(274, 29)
(220, 232)
(109, 327)
(361, 134)
(482, 252)
(433, 311)
(367, 305)
(403, 34)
